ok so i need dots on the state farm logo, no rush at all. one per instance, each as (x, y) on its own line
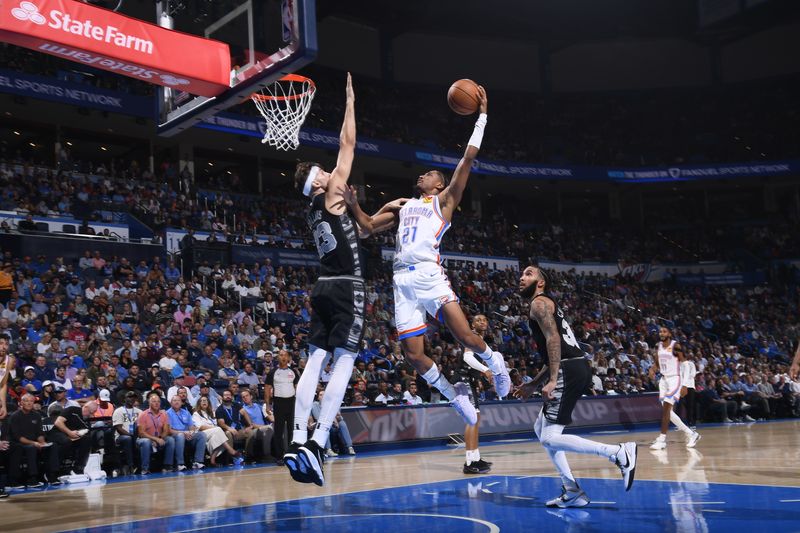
(28, 11)
(96, 30)
(169, 79)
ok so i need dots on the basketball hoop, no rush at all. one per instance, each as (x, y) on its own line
(284, 105)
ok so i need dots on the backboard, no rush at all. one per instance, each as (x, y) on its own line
(267, 38)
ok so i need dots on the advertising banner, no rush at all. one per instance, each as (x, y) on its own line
(466, 262)
(391, 424)
(46, 88)
(110, 41)
(641, 272)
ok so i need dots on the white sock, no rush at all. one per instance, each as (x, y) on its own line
(435, 379)
(306, 390)
(494, 360)
(675, 419)
(334, 392)
(473, 456)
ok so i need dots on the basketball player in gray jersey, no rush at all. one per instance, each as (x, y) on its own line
(338, 300)
(569, 376)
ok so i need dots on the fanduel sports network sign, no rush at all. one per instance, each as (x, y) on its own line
(110, 41)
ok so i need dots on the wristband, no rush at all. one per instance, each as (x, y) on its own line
(477, 133)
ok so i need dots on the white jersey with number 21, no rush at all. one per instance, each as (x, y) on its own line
(419, 232)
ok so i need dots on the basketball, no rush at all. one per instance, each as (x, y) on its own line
(462, 97)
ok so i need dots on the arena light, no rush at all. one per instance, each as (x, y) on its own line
(17, 133)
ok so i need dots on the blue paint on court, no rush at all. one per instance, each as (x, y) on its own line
(508, 504)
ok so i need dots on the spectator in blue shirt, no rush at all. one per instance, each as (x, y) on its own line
(172, 273)
(184, 431)
(29, 380)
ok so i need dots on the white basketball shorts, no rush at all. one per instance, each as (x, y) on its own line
(419, 289)
(669, 389)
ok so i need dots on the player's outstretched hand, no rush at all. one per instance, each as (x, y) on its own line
(350, 195)
(794, 370)
(351, 95)
(525, 391)
(395, 205)
(484, 101)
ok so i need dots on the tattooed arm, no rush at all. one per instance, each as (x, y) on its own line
(542, 310)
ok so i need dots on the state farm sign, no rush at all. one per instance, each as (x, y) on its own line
(107, 40)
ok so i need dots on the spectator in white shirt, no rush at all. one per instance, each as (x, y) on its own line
(410, 396)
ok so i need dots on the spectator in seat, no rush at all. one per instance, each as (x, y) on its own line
(340, 433)
(71, 434)
(27, 443)
(102, 429)
(722, 409)
(154, 434)
(229, 418)
(260, 431)
(186, 434)
(124, 421)
(216, 440)
(410, 396)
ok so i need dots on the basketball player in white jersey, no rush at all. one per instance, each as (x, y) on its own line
(688, 372)
(669, 356)
(7, 363)
(421, 286)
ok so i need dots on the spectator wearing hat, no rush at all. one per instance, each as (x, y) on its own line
(60, 400)
(180, 383)
(28, 445)
(124, 422)
(186, 434)
(47, 396)
(71, 434)
(29, 381)
(154, 434)
(102, 431)
(23, 341)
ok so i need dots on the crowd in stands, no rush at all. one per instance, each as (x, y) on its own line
(98, 338)
(168, 198)
(745, 122)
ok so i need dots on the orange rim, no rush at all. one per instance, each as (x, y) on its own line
(290, 78)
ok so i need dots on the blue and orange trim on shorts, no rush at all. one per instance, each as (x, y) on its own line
(413, 332)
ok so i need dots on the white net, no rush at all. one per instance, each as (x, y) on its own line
(284, 105)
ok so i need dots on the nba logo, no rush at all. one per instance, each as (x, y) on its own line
(674, 173)
(287, 14)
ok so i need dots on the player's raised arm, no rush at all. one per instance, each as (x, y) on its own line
(385, 218)
(542, 312)
(347, 144)
(451, 196)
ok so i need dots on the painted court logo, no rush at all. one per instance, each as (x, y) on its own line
(28, 11)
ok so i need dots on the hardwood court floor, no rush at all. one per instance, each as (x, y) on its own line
(754, 454)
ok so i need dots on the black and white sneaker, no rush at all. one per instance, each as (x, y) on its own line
(569, 498)
(626, 461)
(476, 467)
(312, 455)
(297, 468)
